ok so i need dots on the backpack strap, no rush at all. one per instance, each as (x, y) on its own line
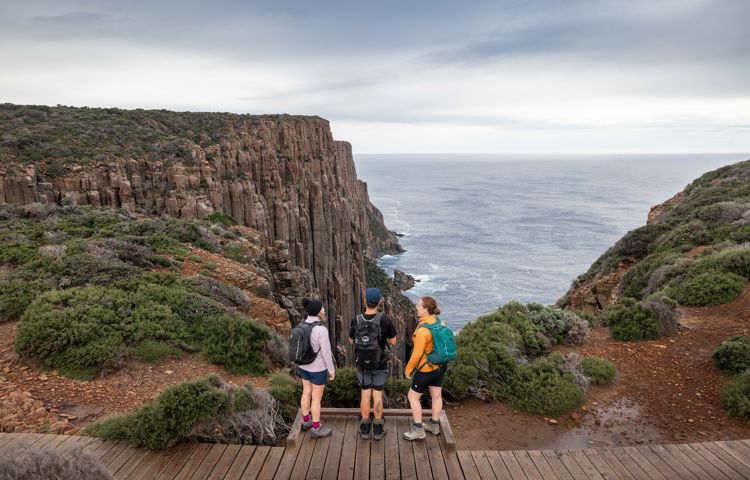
(312, 325)
(427, 362)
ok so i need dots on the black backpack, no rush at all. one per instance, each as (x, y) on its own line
(300, 348)
(368, 354)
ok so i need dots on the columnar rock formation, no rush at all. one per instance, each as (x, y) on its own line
(282, 175)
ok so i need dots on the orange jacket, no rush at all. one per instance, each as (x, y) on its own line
(422, 346)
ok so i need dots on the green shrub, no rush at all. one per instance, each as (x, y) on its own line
(344, 390)
(459, 379)
(539, 387)
(234, 253)
(710, 288)
(170, 417)
(733, 354)
(600, 370)
(688, 235)
(236, 343)
(152, 351)
(18, 253)
(222, 219)
(561, 326)
(736, 396)
(631, 320)
(287, 392)
(516, 315)
(17, 295)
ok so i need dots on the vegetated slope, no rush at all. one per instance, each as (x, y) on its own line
(282, 175)
(694, 249)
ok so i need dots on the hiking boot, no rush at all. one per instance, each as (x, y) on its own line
(364, 429)
(320, 432)
(416, 433)
(307, 425)
(378, 429)
(432, 427)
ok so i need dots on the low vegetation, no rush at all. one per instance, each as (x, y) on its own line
(83, 284)
(599, 370)
(736, 396)
(733, 355)
(629, 319)
(205, 409)
(24, 463)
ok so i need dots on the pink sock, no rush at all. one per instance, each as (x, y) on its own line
(316, 425)
(305, 418)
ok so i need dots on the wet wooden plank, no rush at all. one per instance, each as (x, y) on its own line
(437, 462)
(405, 449)
(335, 448)
(248, 462)
(545, 470)
(392, 463)
(601, 465)
(511, 463)
(561, 471)
(468, 467)
(483, 465)
(688, 460)
(527, 465)
(271, 464)
(623, 471)
(727, 464)
(571, 464)
(498, 466)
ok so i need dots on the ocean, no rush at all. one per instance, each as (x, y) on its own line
(481, 230)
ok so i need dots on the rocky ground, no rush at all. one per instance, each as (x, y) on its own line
(32, 400)
(667, 390)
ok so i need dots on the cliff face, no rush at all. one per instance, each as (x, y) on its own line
(282, 175)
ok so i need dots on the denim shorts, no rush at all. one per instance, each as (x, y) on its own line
(316, 378)
(374, 379)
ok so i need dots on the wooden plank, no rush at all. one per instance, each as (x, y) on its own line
(322, 449)
(545, 470)
(46, 440)
(304, 455)
(222, 465)
(468, 467)
(377, 458)
(333, 459)
(154, 462)
(109, 451)
(527, 465)
(622, 470)
(702, 452)
(447, 433)
(511, 463)
(288, 459)
(561, 471)
(421, 459)
(132, 464)
(392, 464)
(741, 457)
(355, 412)
(194, 461)
(121, 458)
(715, 454)
(362, 455)
(248, 461)
(405, 449)
(271, 463)
(209, 462)
(571, 463)
(176, 462)
(483, 465)
(653, 471)
(688, 459)
(348, 454)
(738, 446)
(657, 462)
(437, 463)
(498, 466)
(453, 466)
(600, 464)
(670, 460)
(295, 431)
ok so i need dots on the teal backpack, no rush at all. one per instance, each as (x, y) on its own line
(444, 343)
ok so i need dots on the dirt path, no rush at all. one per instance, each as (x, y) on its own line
(667, 390)
(33, 400)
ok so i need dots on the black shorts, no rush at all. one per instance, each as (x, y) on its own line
(422, 380)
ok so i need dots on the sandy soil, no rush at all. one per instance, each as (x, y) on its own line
(667, 390)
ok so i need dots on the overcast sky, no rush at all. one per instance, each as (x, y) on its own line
(406, 76)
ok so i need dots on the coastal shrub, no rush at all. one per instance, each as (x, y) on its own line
(17, 295)
(514, 314)
(630, 320)
(733, 354)
(459, 378)
(736, 396)
(152, 351)
(171, 416)
(710, 288)
(561, 326)
(685, 235)
(539, 387)
(396, 390)
(666, 313)
(222, 219)
(344, 390)
(643, 275)
(236, 343)
(287, 392)
(600, 370)
(733, 260)
(24, 463)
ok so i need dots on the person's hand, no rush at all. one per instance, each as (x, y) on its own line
(331, 376)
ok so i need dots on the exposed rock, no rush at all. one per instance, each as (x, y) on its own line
(403, 281)
(594, 295)
(657, 211)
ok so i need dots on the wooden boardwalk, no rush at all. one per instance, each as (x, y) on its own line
(346, 455)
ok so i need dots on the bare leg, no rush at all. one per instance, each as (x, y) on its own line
(377, 403)
(317, 396)
(306, 397)
(364, 404)
(437, 401)
(416, 406)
